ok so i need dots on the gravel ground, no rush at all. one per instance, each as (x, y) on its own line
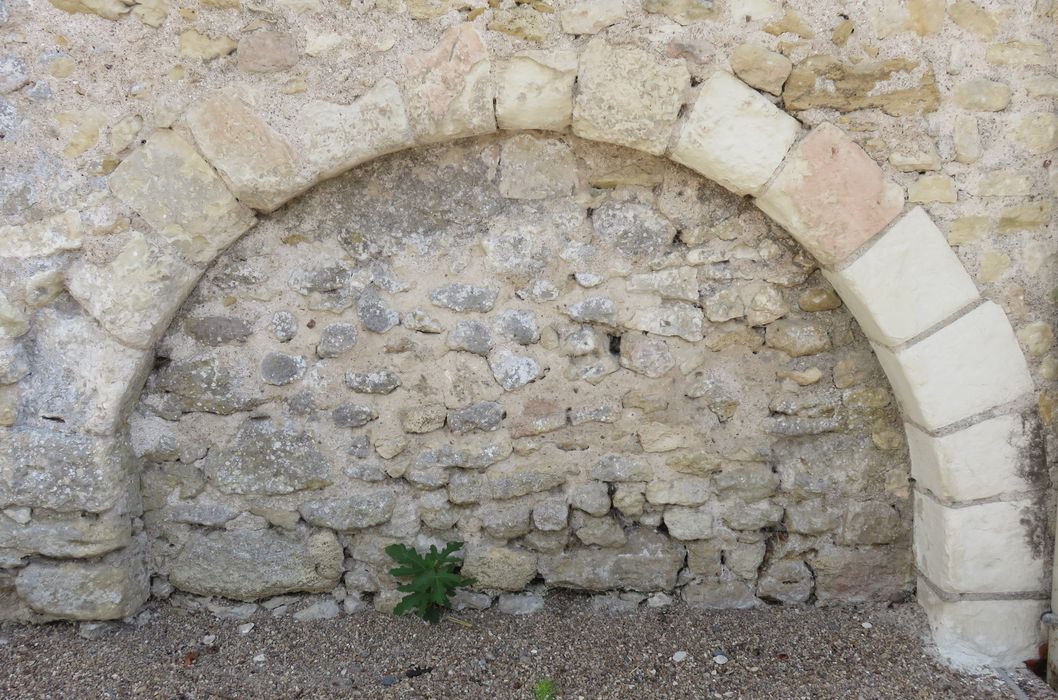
(872, 651)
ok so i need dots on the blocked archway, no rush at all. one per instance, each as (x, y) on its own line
(952, 358)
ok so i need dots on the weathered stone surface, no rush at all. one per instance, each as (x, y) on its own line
(535, 168)
(797, 338)
(645, 355)
(63, 471)
(933, 188)
(760, 68)
(647, 562)
(374, 313)
(505, 521)
(423, 418)
(785, 581)
(499, 568)
(627, 97)
(601, 531)
(76, 535)
(689, 523)
(195, 44)
(471, 336)
(870, 522)
(459, 296)
(449, 91)
(136, 294)
(382, 381)
(981, 95)
(683, 11)
(591, 16)
(719, 592)
(512, 481)
(339, 137)
(1038, 132)
(255, 161)
(204, 383)
(218, 330)
(229, 564)
(176, 191)
(682, 491)
(42, 238)
(483, 415)
(81, 376)
(826, 81)
(670, 319)
(534, 90)
(107, 589)
(551, 515)
(268, 52)
(594, 310)
(280, 369)
(831, 196)
(716, 138)
(512, 370)
(364, 509)
(263, 460)
(853, 575)
(336, 339)
(518, 325)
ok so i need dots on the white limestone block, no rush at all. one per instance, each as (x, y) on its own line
(909, 280)
(734, 135)
(534, 90)
(974, 633)
(969, 366)
(982, 461)
(984, 548)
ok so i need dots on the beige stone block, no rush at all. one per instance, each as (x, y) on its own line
(1019, 53)
(987, 459)
(42, 238)
(591, 16)
(135, 295)
(734, 135)
(448, 89)
(177, 192)
(975, 633)
(628, 97)
(1038, 133)
(534, 90)
(760, 68)
(906, 282)
(933, 188)
(967, 139)
(257, 163)
(981, 95)
(981, 548)
(339, 137)
(831, 196)
(969, 366)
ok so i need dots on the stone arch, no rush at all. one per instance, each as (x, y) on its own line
(950, 356)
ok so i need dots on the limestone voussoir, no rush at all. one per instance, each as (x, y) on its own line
(985, 460)
(831, 196)
(177, 192)
(973, 633)
(969, 366)
(909, 280)
(1005, 554)
(734, 135)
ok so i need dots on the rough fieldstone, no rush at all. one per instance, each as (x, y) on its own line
(268, 52)
(423, 418)
(14, 73)
(627, 96)
(366, 509)
(264, 461)
(512, 481)
(499, 568)
(739, 515)
(352, 415)
(449, 90)
(856, 575)
(550, 515)
(471, 336)
(255, 161)
(649, 561)
(600, 531)
(785, 581)
(459, 296)
(336, 339)
(796, 338)
(204, 383)
(229, 563)
(280, 369)
(512, 370)
(106, 589)
(646, 355)
(62, 471)
(382, 381)
(592, 497)
(593, 310)
(719, 593)
(14, 364)
(419, 320)
(760, 68)
(822, 81)
(591, 16)
(505, 521)
(484, 415)
(284, 326)
(679, 283)
(616, 468)
(981, 95)
(374, 313)
(177, 192)
(218, 330)
(670, 318)
(689, 523)
(518, 325)
(870, 523)
(635, 229)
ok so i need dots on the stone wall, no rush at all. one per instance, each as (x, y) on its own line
(564, 354)
(139, 138)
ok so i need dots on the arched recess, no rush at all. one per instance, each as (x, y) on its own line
(951, 357)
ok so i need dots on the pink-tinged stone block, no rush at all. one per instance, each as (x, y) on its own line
(831, 196)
